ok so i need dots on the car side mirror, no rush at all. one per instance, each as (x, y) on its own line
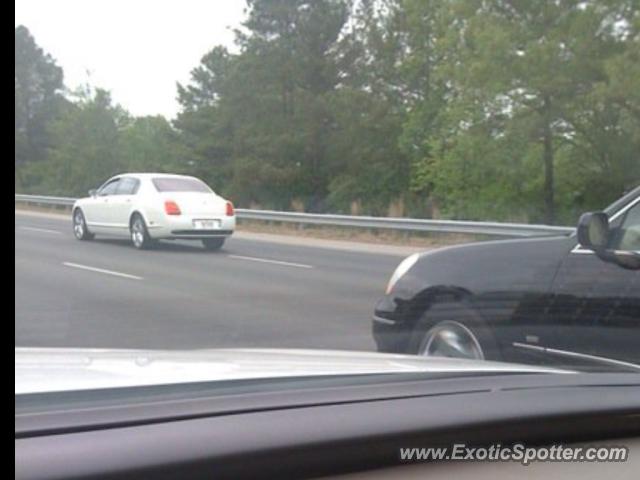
(594, 234)
(93, 192)
(593, 231)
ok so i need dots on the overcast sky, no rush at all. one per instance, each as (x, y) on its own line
(137, 49)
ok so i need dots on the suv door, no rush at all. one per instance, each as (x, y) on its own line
(596, 304)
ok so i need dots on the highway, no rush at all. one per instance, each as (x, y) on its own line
(258, 291)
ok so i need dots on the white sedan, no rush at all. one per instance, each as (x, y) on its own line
(151, 206)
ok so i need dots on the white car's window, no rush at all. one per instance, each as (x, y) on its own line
(128, 186)
(168, 184)
(110, 188)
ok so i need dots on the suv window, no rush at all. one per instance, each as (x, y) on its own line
(128, 186)
(110, 188)
(628, 237)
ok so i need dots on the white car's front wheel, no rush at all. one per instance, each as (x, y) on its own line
(139, 233)
(80, 229)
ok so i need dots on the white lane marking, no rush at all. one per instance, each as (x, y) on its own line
(101, 270)
(43, 230)
(266, 260)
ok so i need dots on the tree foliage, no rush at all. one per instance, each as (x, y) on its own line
(476, 109)
(38, 99)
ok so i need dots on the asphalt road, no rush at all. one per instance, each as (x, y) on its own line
(255, 292)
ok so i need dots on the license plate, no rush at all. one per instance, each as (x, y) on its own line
(206, 224)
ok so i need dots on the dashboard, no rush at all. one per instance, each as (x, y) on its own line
(301, 428)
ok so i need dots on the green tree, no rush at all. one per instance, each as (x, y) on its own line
(523, 69)
(368, 170)
(85, 146)
(206, 132)
(38, 99)
(149, 144)
(261, 116)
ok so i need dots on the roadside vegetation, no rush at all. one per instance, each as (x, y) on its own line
(465, 109)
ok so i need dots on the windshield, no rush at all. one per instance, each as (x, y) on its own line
(401, 186)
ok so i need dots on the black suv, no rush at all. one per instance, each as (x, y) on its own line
(569, 300)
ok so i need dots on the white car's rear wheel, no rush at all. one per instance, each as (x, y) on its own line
(80, 229)
(139, 234)
(213, 243)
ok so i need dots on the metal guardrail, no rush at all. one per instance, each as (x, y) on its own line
(401, 224)
(45, 200)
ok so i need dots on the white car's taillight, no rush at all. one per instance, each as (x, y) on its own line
(171, 208)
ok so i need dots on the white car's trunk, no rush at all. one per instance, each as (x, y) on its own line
(196, 203)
